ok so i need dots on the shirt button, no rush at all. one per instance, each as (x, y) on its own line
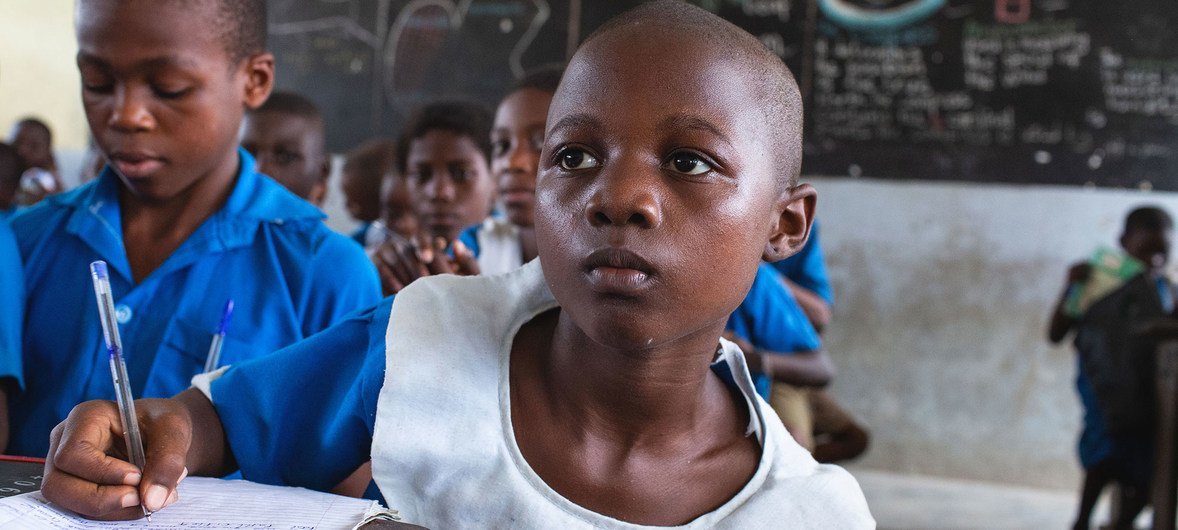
(122, 313)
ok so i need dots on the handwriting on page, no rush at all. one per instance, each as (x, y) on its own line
(211, 504)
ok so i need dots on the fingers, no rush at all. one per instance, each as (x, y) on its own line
(464, 260)
(167, 437)
(88, 435)
(439, 262)
(389, 283)
(80, 475)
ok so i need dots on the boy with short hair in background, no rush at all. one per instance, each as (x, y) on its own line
(288, 138)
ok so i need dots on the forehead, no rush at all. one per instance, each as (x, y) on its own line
(29, 132)
(443, 145)
(639, 79)
(139, 32)
(524, 106)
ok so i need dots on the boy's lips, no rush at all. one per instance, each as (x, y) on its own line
(135, 165)
(618, 271)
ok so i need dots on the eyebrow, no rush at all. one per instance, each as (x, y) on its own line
(575, 121)
(691, 121)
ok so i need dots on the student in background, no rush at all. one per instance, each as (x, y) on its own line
(181, 215)
(443, 154)
(398, 218)
(288, 138)
(579, 390)
(1113, 366)
(364, 172)
(12, 304)
(34, 143)
(502, 244)
(11, 168)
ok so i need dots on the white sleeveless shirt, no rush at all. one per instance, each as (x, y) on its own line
(444, 453)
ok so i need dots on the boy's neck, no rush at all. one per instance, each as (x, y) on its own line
(635, 395)
(154, 228)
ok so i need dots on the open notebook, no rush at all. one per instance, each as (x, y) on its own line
(209, 503)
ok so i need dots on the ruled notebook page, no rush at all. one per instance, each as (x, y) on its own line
(208, 503)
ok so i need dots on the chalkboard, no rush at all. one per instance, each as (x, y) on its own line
(1081, 92)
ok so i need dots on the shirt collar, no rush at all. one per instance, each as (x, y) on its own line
(255, 200)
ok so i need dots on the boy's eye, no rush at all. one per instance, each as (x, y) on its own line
(500, 147)
(537, 140)
(287, 157)
(688, 163)
(169, 93)
(571, 158)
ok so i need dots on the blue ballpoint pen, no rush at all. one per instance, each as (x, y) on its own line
(118, 368)
(214, 357)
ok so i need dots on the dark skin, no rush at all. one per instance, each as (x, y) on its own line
(291, 149)
(654, 199)
(1152, 248)
(164, 101)
(450, 187)
(516, 140)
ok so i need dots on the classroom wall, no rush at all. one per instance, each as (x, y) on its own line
(38, 74)
(942, 297)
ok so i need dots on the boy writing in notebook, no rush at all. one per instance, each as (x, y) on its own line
(589, 388)
(181, 215)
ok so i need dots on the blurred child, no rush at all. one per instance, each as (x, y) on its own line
(502, 244)
(577, 391)
(181, 215)
(34, 143)
(1115, 364)
(11, 168)
(364, 172)
(288, 138)
(443, 154)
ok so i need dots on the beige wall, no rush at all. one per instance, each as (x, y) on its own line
(37, 71)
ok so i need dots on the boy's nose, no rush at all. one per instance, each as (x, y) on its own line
(130, 112)
(440, 188)
(623, 197)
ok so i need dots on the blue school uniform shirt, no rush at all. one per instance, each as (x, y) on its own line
(12, 305)
(288, 274)
(771, 319)
(807, 268)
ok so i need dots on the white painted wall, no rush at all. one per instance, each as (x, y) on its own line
(943, 291)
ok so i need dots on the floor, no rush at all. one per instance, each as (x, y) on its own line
(907, 502)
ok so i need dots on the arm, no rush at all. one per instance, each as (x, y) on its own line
(814, 306)
(1061, 323)
(84, 471)
(807, 368)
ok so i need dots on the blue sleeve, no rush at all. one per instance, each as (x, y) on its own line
(771, 319)
(343, 281)
(470, 238)
(304, 415)
(807, 268)
(12, 305)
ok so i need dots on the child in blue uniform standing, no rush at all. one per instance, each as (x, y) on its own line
(582, 390)
(181, 215)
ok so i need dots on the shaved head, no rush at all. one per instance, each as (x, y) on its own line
(757, 65)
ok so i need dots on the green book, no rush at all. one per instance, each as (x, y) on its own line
(1110, 270)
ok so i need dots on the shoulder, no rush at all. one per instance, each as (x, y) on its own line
(31, 225)
(821, 495)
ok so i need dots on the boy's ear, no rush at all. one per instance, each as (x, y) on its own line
(259, 71)
(791, 228)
